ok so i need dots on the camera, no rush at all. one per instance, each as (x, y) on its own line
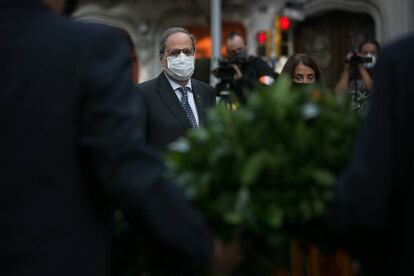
(225, 90)
(355, 60)
(239, 59)
(225, 71)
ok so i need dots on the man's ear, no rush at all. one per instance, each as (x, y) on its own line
(162, 59)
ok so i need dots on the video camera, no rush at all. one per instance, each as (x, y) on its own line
(225, 70)
(226, 73)
(355, 60)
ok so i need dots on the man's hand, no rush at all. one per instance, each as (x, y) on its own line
(342, 85)
(366, 78)
(347, 60)
(226, 257)
(237, 72)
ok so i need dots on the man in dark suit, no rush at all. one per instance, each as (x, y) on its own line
(375, 197)
(173, 102)
(71, 149)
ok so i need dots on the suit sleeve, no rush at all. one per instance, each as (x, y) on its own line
(143, 111)
(362, 196)
(130, 174)
(213, 97)
(262, 68)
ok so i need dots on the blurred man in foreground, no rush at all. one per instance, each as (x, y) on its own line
(71, 150)
(375, 198)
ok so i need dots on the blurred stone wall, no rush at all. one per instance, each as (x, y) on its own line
(145, 20)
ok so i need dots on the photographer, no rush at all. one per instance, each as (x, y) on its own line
(248, 70)
(356, 76)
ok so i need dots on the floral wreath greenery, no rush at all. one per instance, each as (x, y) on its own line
(266, 169)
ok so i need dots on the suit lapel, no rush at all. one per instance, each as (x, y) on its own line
(200, 104)
(170, 99)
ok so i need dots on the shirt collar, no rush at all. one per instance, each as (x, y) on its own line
(175, 85)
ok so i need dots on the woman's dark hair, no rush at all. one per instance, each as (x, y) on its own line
(301, 58)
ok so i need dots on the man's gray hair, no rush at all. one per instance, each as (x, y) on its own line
(171, 31)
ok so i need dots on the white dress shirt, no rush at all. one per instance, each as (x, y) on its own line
(191, 101)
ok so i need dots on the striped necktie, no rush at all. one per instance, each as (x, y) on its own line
(186, 105)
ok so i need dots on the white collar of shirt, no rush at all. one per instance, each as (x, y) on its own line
(175, 85)
(191, 100)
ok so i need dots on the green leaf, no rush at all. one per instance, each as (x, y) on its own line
(275, 217)
(182, 145)
(242, 201)
(323, 177)
(232, 218)
(319, 207)
(256, 164)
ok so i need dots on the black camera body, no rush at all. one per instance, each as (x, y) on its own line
(239, 60)
(224, 71)
(355, 60)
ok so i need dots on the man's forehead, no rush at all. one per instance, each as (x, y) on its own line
(235, 42)
(179, 39)
(369, 47)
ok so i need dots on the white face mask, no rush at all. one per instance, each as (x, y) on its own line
(180, 67)
(370, 65)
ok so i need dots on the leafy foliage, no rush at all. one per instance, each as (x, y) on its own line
(267, 167)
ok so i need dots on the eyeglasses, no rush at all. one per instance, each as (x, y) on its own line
(176, 52)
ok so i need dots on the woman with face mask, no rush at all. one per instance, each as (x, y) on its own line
(356, 76)
(302, 70)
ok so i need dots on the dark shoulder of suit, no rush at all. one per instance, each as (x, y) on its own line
(260, 66)
(69, 144)
(51, 191)
(374, 199)
(163, 116)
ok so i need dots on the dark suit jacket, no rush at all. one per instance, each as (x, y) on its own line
(163, 117)
(70, 147)
(375, 198)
